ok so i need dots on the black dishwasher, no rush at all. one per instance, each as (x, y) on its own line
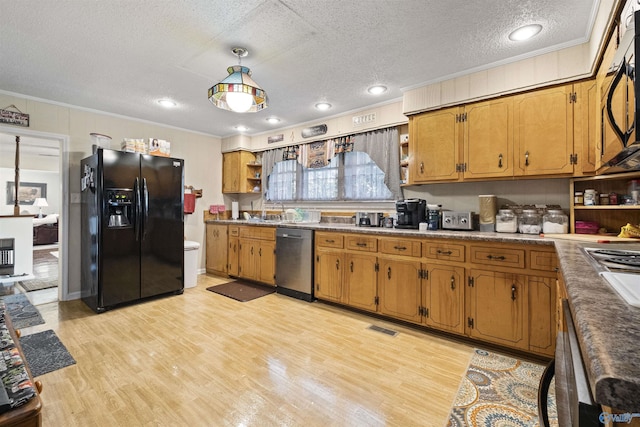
(294, 263)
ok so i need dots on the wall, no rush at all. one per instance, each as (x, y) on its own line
(463, 196)
(203, 161)
(52, 179)
(559, 66)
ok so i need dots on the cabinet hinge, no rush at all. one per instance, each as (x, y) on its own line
(377, 268)
(573, 98)
(470, 322)
(461, 167)
(376, 300)
(471, 284)
(573, 159)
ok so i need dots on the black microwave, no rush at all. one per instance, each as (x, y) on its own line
(621, 100)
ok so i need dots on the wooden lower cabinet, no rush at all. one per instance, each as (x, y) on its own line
(257, 261)
(542, 314)
(361, 281)
(516, 310)
(216, 249)
(400, 287)
(233, 253)
(499, 293)
(443, 298)
(497, 308)
(328, 275)
(256, 254)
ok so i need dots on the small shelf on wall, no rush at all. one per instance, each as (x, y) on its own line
(609, 217)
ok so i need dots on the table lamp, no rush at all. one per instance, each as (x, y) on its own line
(40, 202)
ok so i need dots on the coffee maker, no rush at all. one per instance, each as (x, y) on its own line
(411, 213)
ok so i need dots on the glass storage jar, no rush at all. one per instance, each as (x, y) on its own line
(530, 222)
(506, 221)
(555, 222)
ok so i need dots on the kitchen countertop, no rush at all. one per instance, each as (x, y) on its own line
(608, 328)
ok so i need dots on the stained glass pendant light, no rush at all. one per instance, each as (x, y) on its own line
(238, 92)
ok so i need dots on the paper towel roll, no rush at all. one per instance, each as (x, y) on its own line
(235, 210)
(488, 208)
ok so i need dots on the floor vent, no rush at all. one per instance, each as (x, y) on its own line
(383, 330)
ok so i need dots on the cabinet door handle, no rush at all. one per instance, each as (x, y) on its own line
(526, 158)
(251, 250)
(330, 241)
(500, 160)
(389, 273)
(441, 252)
(361, 245)
(421, 167)
(400, 248)
(337, 264)
(453, 282)
(351, 266)
(260, 252)
(513, 292)
(497, 258)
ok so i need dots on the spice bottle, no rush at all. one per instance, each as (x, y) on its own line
(578, 198)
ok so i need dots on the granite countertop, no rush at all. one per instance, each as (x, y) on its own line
(382, 231)
(608, 328)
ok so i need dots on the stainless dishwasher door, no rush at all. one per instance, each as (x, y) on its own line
(294, 263)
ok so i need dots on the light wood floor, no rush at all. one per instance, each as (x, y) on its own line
(201, 359)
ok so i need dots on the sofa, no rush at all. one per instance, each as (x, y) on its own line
(45, 230)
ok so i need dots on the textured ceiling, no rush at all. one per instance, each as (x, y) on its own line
(121, 56)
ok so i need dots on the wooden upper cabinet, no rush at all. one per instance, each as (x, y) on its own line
(434, 152)
(235, 172)
(585, 127)
(488, 139)
(543, 126)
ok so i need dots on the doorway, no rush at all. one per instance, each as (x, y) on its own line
(41, 151)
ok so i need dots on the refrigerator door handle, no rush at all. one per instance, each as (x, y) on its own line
(136, 220)
(145, 192)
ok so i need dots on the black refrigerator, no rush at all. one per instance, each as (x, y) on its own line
(132, 226)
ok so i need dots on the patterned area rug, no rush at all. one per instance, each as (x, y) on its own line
(45, 352)
(500, 391)
(22, 313)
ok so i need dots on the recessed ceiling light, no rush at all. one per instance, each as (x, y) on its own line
(242, 128)
(525, 33)
(273, 120)
(167, 103)
(322, 106)
(377, 90)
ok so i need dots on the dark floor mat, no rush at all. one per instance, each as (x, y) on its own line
(242, 291)
(45, 352)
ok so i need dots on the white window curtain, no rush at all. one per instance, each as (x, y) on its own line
(370, 172)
